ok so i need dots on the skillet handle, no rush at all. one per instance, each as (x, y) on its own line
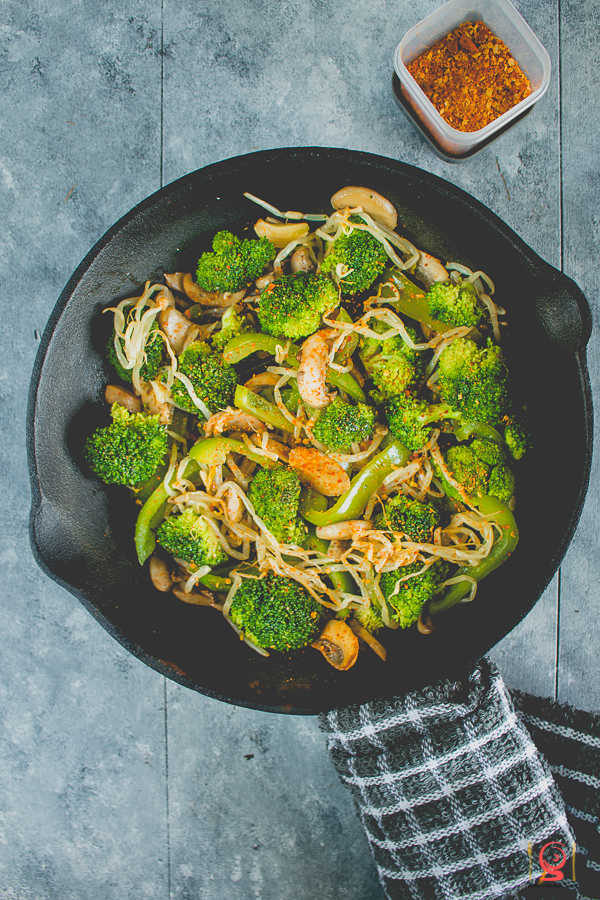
(563, 311)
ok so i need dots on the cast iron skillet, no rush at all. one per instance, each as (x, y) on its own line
(81, 531)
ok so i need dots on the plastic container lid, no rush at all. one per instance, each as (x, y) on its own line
(506, 23)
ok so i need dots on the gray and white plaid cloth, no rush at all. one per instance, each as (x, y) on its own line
(451, 790)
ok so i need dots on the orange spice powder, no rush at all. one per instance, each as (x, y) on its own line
(470, 76)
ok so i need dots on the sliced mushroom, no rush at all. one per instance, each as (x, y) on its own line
(211, 299)
(302, 261)
(317, 470)
(116, 394)
(194, 597)
(233, 419)
(155, 397)
(372, 203)
(425, 623)
(338, 644)
(196, 294)
(264, 281)
(281, 234)
(429, 270)
(160, 574)
(164, 299)
(175, 280)
(178, 330)
(262, 380)
(368, 638)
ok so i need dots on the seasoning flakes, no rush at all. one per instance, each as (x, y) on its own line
(470, 76)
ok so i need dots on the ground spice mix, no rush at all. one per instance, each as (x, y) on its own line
(470, 76)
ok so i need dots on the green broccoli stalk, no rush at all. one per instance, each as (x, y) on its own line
(413, 593)
(417, 521)
(293, 305)
(232, 324)
(234, 264)
(189, 537)
(129, 450)
(341, 424)
(455, 304)
(276, 613)
(391, 364)
(275, 495)
(361, 258)
(153, 353)
(212, 379)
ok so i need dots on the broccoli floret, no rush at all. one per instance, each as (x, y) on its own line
(129, 450)
(189, 537)
(234, 264)
(480, 468)
(213, 379)
(293, 305)
(232, 324)
(362, 259)
(342, 424)
(501, 483)
(276, 613)
(474, 381)
(369, 617)
(154, 356)
(413, 592)
(516, 437)
(488, 452)
(392, 365)
(275, 494)
(410, 419)
(414, 519)
(470, 471)
(455, 304)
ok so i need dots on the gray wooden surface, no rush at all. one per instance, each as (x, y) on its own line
(115, 784)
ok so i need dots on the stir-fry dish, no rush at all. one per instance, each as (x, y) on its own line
(317, 428)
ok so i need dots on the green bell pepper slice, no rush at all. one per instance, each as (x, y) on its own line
(211, 452)
(464, 430)
(214, 451)
(151, 515)
(351, 505)
(411, 300)
(243, 345)
(491, 508)
(258, 406)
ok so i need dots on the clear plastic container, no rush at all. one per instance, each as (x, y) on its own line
(508, 25)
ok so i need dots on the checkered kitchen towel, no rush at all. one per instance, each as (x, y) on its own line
(454, 796)
(569, 739)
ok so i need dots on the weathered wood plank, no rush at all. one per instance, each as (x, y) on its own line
(82, 757)
(257, 808)
(579, 634)
(518, 178)
(526, 657)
